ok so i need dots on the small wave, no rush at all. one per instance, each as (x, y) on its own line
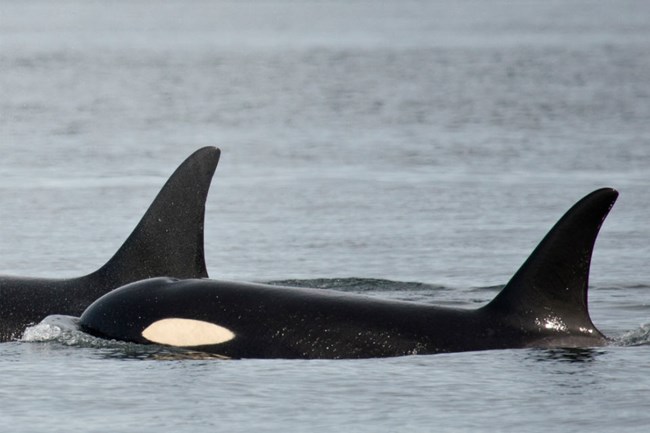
(636, 337)
(359, 285)
(480, 289)
(412, 291)
(621, 287)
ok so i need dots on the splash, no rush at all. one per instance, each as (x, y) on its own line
(57, 328)
(636, 337)
(64, 330)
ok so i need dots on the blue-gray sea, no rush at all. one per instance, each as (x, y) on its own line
(412, 150)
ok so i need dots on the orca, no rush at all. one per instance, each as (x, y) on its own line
(168, 240)
(543, 305)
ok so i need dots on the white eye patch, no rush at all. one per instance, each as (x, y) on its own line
(186, 332)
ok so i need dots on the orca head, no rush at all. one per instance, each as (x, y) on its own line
(156, 310)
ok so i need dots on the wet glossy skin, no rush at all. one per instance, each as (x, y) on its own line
(543, 305)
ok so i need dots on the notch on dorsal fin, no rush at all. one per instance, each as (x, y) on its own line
(168, 240)
(550, 288)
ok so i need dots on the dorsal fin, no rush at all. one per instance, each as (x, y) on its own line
(168, 240)
(552, 284)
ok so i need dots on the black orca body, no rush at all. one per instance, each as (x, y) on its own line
(543, 305)
(168, 240)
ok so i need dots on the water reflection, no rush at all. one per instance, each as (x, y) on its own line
(136, 352)
(570, 355)
(567, 371)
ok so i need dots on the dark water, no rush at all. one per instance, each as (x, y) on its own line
(411, 150)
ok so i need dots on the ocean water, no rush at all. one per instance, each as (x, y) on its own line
(404, 149)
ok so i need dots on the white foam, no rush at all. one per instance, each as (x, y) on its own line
(52, 328)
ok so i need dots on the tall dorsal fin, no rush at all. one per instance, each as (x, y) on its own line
(168, 240)
(552, 284)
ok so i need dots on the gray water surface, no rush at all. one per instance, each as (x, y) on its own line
(367, 146)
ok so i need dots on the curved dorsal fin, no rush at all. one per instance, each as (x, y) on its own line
(168, 240)
(553, 281)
